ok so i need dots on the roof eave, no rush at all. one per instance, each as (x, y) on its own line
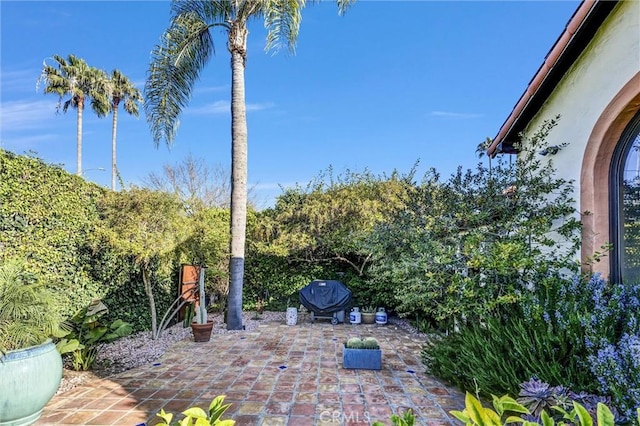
(577, 34)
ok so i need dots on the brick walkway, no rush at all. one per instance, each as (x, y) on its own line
(275, 375)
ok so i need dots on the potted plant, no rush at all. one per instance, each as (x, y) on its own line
(30, 365)
(202, 325)
(362, 354)
(369, 315)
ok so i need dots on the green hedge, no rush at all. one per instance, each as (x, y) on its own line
(49, 218)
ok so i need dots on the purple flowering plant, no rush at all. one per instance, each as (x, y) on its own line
(603, 322)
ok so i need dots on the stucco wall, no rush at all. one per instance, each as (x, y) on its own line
(609, 62)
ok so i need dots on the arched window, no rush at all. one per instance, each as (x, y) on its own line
(625, 205)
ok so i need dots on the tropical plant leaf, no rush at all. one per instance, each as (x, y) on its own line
(195, 412)
(583, 415)
(604, 415)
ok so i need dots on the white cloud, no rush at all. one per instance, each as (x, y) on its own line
(20, 115)
(20, 80)
(26, 142)
(260, 107)
(449, 114)
(224, 107)
(217, 107)
(210, 89)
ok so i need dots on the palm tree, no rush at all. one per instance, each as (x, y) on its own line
(121, 89)
(74, 78)
(176, 65)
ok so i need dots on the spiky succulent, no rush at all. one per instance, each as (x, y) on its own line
(354, 343)
(538, 396)
(366, 343)
(370, 343)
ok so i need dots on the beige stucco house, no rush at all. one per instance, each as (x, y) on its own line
(591, 78)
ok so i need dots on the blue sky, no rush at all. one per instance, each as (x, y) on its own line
(389, 83)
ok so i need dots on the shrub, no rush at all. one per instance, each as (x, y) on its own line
(498, 355)
(466, 249)
(602, 320)
(47, 218)
(579, 332)
(87, 331)
(50, 219)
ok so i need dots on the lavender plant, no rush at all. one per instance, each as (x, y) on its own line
(603, 321)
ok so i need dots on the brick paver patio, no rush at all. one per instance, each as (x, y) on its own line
(275, 375)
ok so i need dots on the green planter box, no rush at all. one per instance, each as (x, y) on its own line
(364, 359)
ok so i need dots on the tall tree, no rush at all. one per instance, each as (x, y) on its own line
(146, 225)
(80, 82)
(176, 65)
(121, 89)
(196, 182)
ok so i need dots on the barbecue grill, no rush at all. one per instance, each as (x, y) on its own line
(326, 299)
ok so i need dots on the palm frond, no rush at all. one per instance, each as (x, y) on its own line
(98, 90)
(343, 5)
(26, 309)
(282, 19)
(175, 66)
(211, 11)
(73, 77)
(121, 89)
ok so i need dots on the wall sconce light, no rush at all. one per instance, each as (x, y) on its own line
(552, 150)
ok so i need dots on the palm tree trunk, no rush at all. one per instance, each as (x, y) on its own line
(79, 137)
(113, 146)
(238, 188)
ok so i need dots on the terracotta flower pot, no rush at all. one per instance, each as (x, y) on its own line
(202, 332)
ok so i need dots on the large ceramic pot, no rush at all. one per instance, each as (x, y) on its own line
(28, 380)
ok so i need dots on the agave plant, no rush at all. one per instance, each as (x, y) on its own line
(538, 396)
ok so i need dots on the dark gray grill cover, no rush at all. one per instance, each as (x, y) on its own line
(325, 296)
